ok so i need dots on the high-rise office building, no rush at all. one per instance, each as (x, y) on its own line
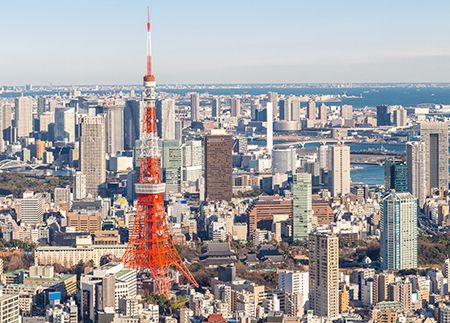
(383, 116)
(324, 274)
(323, 113)
(396, 176)
(218, 163)
(269, 127)
(301, 206)
(31, 208)
(340, 170)
(132, 119)
(284, 160)
(347, 112)
(400, 117)
(165, 113)
(311, 110)
(195, 107)
(417, 172)
(6, 116)
(24, 116)
(324, 157)
(215, 106)
(273, 98)
(114, 129)
(45, 121)
(235, 107)
(64, 124)
(92, 153)
(290, 109)
(434, 135)
(172, 165)
(192, 160)
(398, 231)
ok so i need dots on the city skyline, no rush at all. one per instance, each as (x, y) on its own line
(297, 41)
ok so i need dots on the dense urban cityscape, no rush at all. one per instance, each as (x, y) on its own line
(224, 203)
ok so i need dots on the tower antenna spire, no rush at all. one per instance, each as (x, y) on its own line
(149, 45)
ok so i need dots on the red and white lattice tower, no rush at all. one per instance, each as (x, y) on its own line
(150, 247)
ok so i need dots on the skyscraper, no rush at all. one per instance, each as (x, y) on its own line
(398, 231)
(92, 153)
(165, 112)
(273, 98)
(417, 173)
(269, 127)
(284, 160)
(5, 123)
(396, 176)
(64, 124)
(132, 122)
(311, 110)
(324, 158)
(324, 274)
(215, 105)
(340, 170)
(323, 113)
(235, 107)
(346, 112)
(383, 116)
(290, 109)
(192, 160)
(172, 165)
(114, 129)
(24, 116)
(301, 206)
(79, 186)
(195, 107)
(400, 117)
(218, 162)
(434, 135)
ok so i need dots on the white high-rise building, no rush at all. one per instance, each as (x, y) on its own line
(192, 160)
(65, 124)
(417, 171)
(165, 113)
(31, 208)
(92, 153)
(195, 107)
(294, 282)
(324, 157)
(269, 127)
(284, 160)
(79, 186)
(400, 117)
(273, 98)
(340, 170)
(114, 129)
(24, 116)
(235, 107)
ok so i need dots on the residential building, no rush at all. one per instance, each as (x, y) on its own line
(398, 231)
(324, 274)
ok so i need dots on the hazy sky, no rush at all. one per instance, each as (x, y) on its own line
(225, 41)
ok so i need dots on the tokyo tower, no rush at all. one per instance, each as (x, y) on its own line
(150, 247)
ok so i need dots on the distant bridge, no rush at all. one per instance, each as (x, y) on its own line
(9, 164)
(302, 143)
